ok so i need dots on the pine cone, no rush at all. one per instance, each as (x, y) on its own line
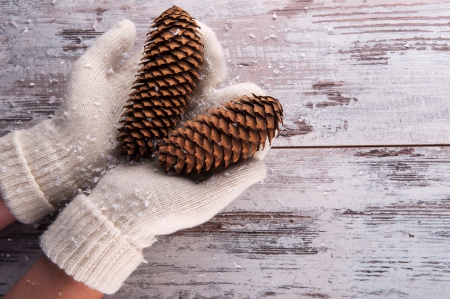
(227, 135)
(164, 85)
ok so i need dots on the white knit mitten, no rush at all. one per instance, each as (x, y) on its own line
(50, 163)
(98, 239)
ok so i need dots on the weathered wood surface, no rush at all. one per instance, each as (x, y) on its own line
(331, 222)
(323, 224)
(347, 72)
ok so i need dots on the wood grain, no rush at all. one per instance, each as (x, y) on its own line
(332, 219)
(362, 222)
(348, 72)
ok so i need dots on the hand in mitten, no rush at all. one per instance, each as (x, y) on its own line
(99, 239)
(46, 164)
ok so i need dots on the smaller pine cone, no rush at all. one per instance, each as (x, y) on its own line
(223, 137)
(173, 56)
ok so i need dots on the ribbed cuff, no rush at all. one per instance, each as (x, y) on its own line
(87, 245)
(18, 187)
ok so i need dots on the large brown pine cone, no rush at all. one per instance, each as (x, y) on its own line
(164, 85)
(222, 137)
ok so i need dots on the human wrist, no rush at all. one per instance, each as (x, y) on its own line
(6, 217)
(45, 280)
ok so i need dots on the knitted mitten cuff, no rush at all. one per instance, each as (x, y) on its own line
(18, 187)
(90, 248)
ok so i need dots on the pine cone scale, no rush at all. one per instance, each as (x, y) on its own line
(224, 136)
(173, 56)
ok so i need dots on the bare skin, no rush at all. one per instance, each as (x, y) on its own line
(45, 280)
(6, 218)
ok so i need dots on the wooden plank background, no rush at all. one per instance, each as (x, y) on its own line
(357, 198)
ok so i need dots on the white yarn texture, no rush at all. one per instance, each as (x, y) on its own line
(98, 239)
(44, 166)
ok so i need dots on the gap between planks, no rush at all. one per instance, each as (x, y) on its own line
(359, 146)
